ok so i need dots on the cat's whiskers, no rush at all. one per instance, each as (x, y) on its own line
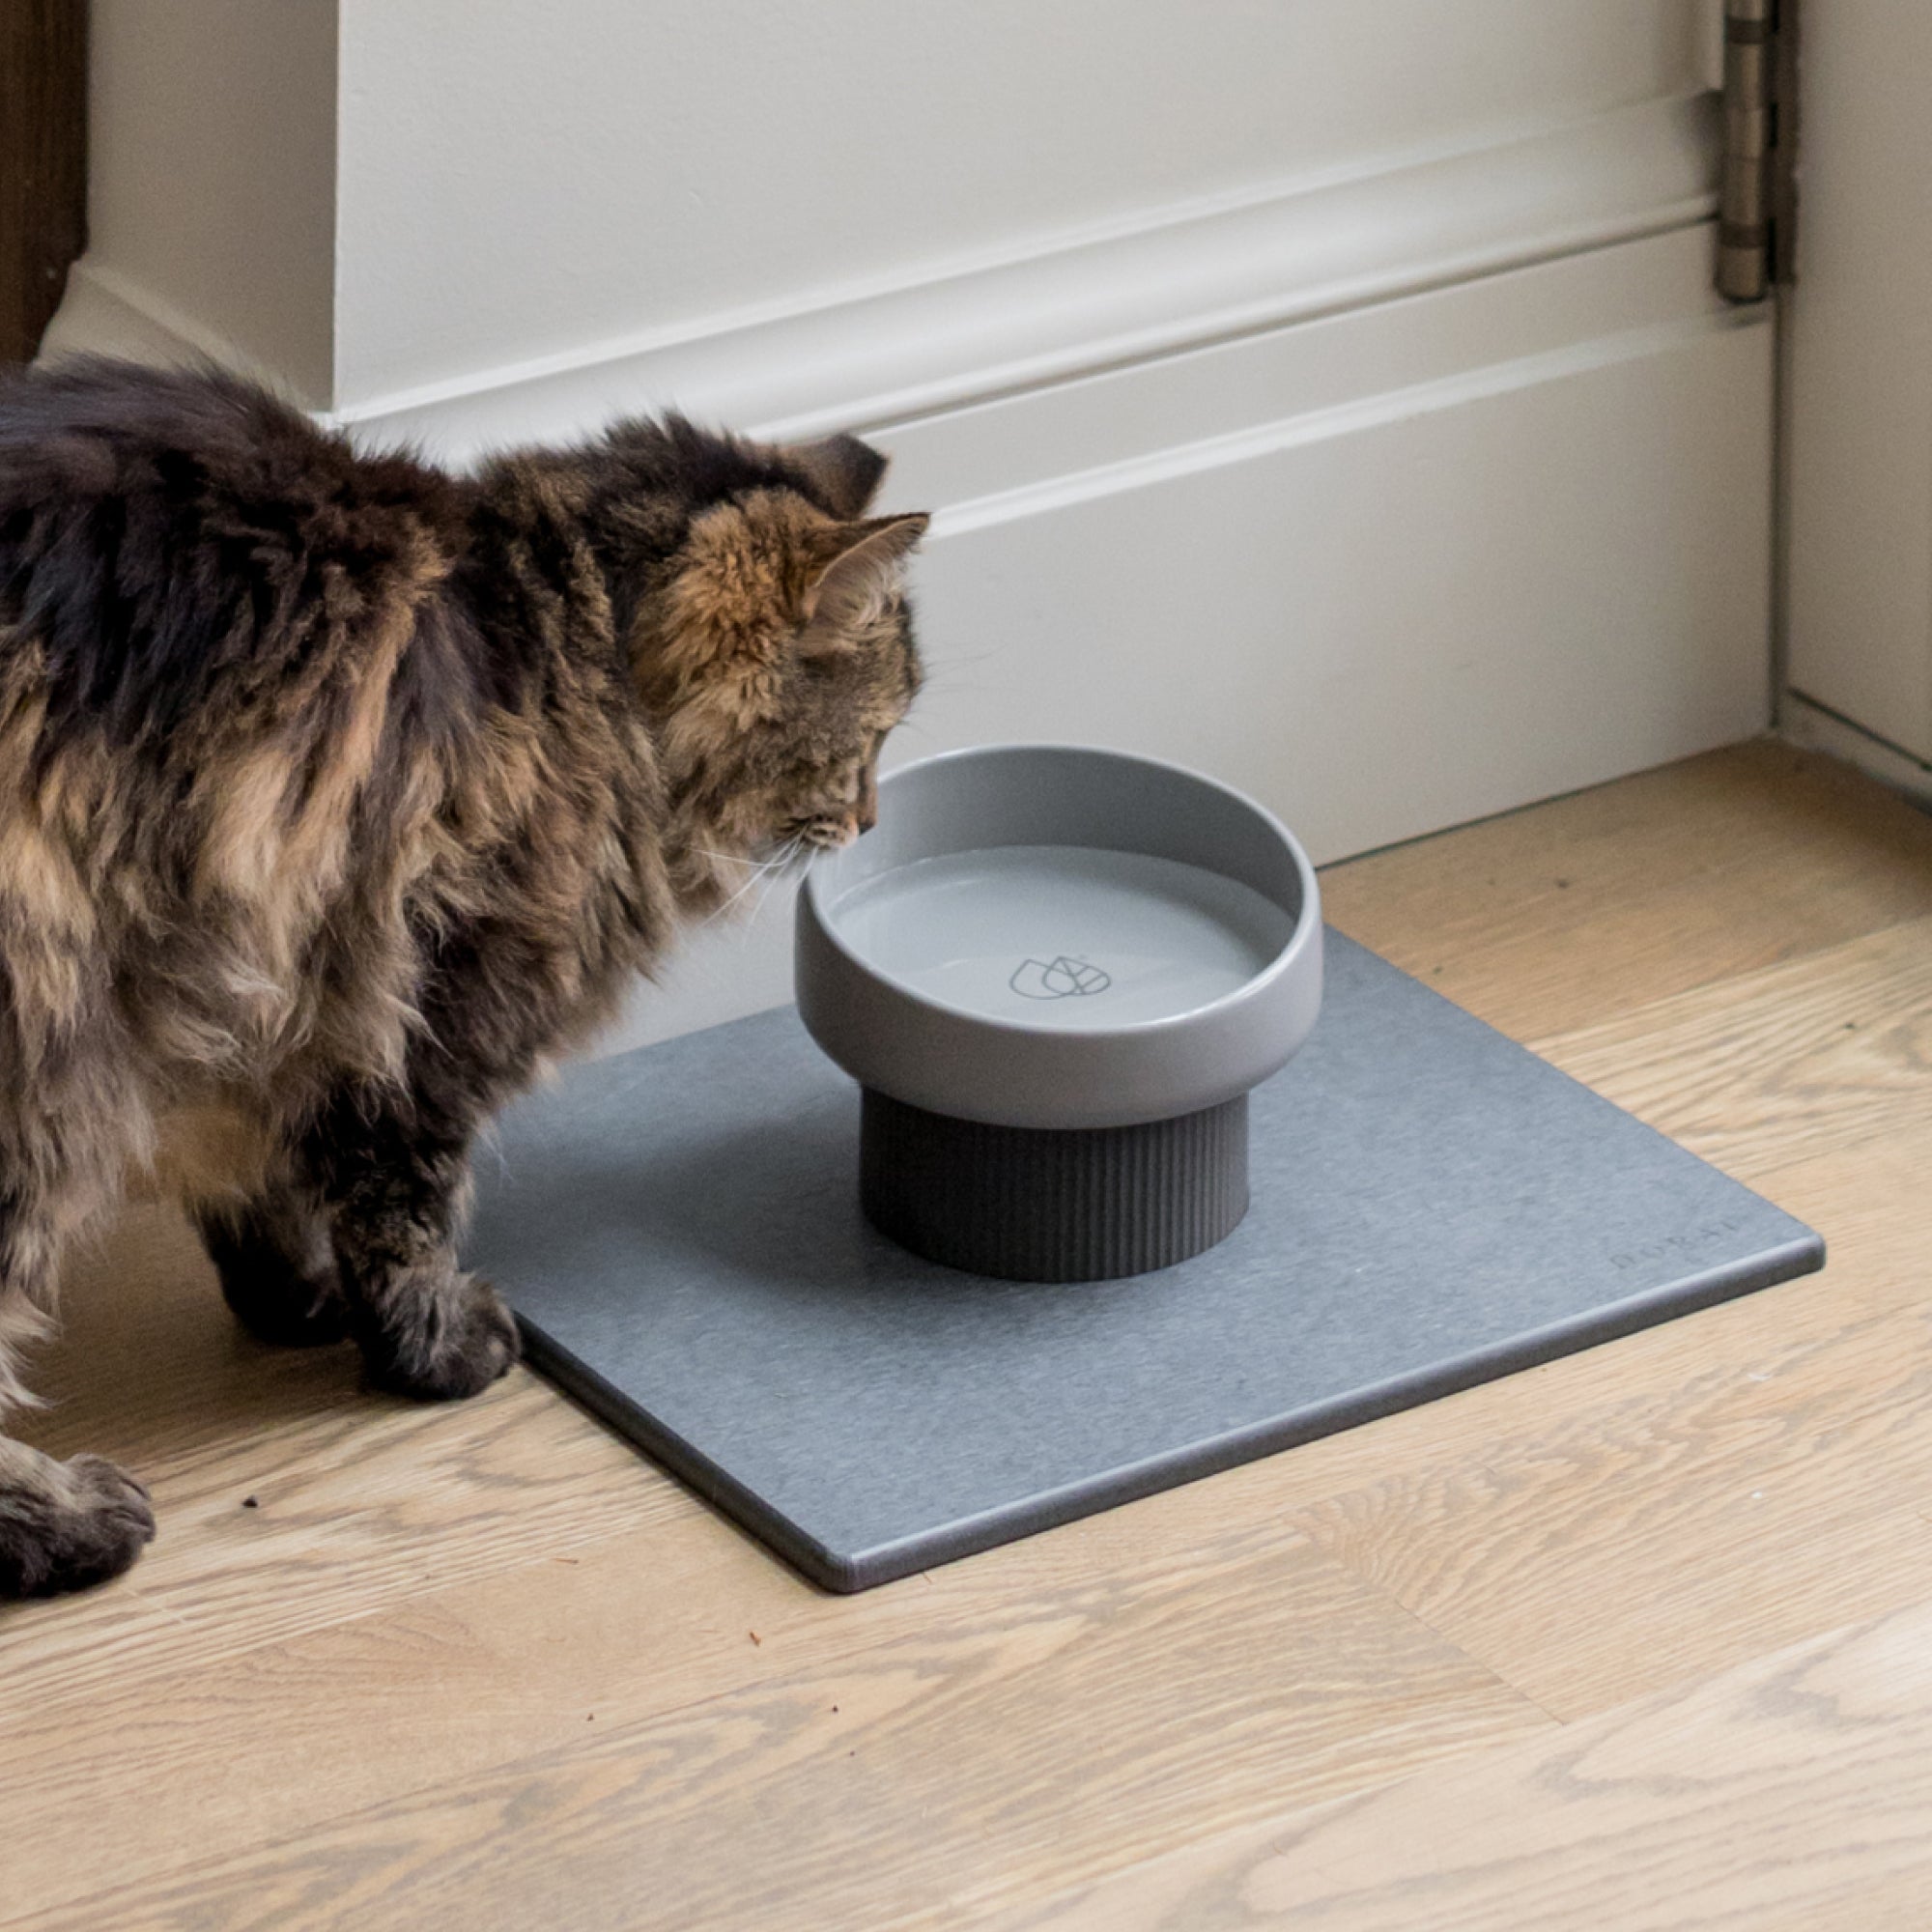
(751, 921)
(798, 854)
(754, 868)
(766, 870)
(725, 905)
(733, 858)
(768, 875)
(955, 672)
(751, 870)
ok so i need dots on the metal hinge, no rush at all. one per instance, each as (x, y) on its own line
(1757, 208)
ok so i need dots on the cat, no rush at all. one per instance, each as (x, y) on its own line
(338, 795)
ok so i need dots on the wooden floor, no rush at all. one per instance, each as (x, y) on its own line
(1642, 1639)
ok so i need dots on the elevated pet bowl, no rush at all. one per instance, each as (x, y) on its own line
(1056, 971)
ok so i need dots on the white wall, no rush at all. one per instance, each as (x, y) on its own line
(523, 181)
(212, 177)
(375, 200)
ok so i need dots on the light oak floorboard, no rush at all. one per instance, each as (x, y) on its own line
(1102, 1714)
(1760, 1071)
(361, 1500)
(1566, 914)
(1640, 1543)
(1792, 1792)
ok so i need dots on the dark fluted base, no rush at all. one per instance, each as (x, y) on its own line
(1031, 1204)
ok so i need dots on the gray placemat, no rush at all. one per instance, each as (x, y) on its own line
(1433, 1205)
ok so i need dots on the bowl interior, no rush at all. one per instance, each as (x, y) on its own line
(1064, 888)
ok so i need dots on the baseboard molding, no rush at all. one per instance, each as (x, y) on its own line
(1375, 410)
(886, 356)
(1179, 279)
(1805, 721)
(107, 313)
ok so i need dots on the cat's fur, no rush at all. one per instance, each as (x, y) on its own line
(336, 794)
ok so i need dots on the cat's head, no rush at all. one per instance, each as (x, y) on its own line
(778, 652)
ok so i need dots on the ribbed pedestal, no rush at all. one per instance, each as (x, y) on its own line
(1031, 1204)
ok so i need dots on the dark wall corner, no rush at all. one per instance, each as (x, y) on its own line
(42, 164)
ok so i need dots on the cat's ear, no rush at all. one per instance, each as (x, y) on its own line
(844, 471)
(756, 578)
(851, 565)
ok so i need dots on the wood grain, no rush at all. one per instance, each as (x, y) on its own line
(1829, 1051)
(1642, 1541)
(1571, 912)
(1059, 1725)
(363, 1501)
(483, 1666)
(1791, 1792)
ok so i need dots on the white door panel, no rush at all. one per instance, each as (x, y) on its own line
(1860, 392)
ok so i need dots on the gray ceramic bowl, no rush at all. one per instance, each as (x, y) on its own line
(1056, 971)
(1161, 954)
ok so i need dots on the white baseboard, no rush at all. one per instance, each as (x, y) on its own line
(1173, 279)
(1818, 729)
(107, 313)
(1200, 275)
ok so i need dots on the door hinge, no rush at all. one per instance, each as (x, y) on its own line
(1757, 207)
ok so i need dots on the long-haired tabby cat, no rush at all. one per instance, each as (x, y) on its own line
(336, 793)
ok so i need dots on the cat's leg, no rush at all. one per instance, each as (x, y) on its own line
(276, 1260)
(62, 1525)
(396, 1187)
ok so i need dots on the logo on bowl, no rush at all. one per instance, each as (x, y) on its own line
(1063, 977)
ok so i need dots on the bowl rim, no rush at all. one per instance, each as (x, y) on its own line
(1304, 932)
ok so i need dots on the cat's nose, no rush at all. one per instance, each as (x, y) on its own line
(866, 816)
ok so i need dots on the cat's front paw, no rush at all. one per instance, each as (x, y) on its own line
(66, 1526)
(455, 1347)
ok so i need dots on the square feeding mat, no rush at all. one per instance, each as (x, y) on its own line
(678, 1230)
